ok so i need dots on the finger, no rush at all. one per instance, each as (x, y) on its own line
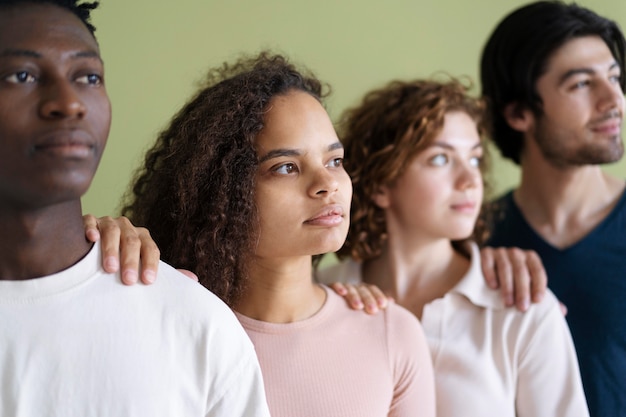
(150, 255)
(353, 297)
(110, 243)
(382, 301)
(563, 308)
(487, 262)
(91, 227)
(538, 276)
(505, 275)
(130, 250)
(189, 274)
(339, 288)
(368, 300)
(521, 278)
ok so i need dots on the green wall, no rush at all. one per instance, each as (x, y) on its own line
(155, 52)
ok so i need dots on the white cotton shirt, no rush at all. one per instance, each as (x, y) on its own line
(79, 343)
(490, 360)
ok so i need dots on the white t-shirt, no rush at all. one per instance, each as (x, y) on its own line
(80, 343)
(490, 360)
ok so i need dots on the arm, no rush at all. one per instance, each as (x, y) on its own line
(549, 381)
(518, 273)
(414, 390)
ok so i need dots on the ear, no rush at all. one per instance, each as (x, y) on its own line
(381, 197)
(519, 117)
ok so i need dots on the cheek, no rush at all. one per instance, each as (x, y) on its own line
(99, 113)
(345, 187)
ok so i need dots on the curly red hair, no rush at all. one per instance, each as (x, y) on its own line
(381, 136)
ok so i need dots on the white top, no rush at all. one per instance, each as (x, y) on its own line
(343, 363)
(80, 343)
(490, 360)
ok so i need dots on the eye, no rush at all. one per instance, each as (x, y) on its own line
(91, 79)
(336, 163)
(285, 169)
(615, 79)
(21, 77)
(439, 160)
(581, 84)
(475, 161)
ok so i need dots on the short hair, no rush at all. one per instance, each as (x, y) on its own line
(81, 10)
(381, 137)
(517, 53)
(196, 190)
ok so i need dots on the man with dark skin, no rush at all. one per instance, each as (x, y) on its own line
(74, 341)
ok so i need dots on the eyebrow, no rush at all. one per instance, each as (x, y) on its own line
(277, 153)
(12, 52)
(447, 146)
(586, 71)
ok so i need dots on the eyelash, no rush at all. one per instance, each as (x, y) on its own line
(291, 167)
(433, 162)
(25, 77)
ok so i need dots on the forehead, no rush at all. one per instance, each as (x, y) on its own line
(41, 27)
(581, 52)
(298, 118)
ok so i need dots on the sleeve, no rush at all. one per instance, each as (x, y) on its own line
(245, 395)
(414, 391)
(549, 382)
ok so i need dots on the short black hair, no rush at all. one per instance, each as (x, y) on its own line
(81, 10)
(517, 53)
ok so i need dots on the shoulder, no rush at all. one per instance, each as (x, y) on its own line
(192, 304)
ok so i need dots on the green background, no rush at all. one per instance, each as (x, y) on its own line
(156, 51)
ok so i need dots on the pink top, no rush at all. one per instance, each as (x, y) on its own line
(345, 363)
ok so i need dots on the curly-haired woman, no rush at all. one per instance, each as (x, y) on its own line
(415, 155)
(244, 187)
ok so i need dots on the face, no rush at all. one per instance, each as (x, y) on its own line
(303, 192)
(582, 105)
(440, 193)
(54, 110)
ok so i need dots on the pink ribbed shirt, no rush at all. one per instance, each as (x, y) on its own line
(345, 363)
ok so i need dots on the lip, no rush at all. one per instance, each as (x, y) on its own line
(65, 143)
(609, 127)
(466, 207)
(331, 215)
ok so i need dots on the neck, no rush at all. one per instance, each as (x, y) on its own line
(564, 203)
(281, 291)
(416, 272)
(37, 243)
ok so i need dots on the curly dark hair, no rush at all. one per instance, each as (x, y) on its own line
(82, 10)
(381, 136)
(196, 190)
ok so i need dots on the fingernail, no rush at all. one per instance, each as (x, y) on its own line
(130, 276)
(372, 308)
(509, 301)
(525, 305)
(111, 264)
(149, 276)
(358, 305)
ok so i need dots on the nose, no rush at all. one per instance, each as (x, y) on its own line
(468, 177)
(611, 97)
(61, 100)
(324, 183)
